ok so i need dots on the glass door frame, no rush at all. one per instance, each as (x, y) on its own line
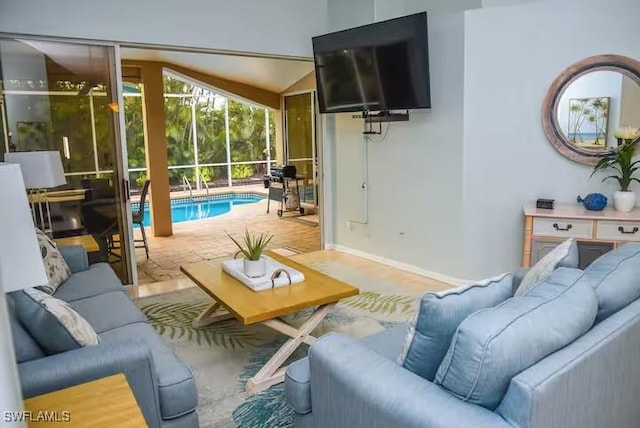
(317, 147)
(115, 71)
(122, 165)
(314, 140)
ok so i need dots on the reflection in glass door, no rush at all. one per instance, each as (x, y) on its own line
(64, 97)
(300, 141)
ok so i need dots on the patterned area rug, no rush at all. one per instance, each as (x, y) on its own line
(225, 355)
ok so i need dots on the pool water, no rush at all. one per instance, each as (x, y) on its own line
(187, 210)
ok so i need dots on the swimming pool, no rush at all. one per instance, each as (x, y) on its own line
(203, 207)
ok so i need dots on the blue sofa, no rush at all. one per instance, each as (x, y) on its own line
(163, 386)
(593, 382)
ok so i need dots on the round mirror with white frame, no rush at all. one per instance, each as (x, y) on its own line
(588, 102)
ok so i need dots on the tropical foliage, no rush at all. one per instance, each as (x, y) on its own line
(381, 303)
(174, 320)
(621, 161)
(82, 117)
(185, 102)
(253, 245)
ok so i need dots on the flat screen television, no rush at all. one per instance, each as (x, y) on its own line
(377, 67)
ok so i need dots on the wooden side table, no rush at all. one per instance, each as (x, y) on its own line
(596, 231)
(102, 403)
(87, 242)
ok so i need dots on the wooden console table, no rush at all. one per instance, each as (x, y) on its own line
(106, 402)
(597, 231)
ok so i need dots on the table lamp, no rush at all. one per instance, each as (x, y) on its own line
(21, 267)
(41, 171)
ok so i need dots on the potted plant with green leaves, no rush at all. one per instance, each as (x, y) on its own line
(621, 160)
(254, 264)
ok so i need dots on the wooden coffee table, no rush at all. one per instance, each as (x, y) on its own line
(232, 299)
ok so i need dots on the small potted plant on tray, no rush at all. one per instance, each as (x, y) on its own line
(255, 265)
(621, 160)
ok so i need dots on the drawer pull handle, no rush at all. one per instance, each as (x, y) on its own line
(629, 232)
(558, 228)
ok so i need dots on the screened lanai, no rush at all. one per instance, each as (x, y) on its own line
(201, 127)
(213, 141)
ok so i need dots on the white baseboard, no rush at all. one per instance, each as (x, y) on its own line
(400, 265)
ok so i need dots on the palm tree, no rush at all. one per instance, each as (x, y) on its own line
(598, 116)
(575, 119)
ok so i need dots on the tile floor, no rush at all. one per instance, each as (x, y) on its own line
(406, 280)
(206, 239)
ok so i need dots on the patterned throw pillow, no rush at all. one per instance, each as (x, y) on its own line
(56, 267)
(564, 255)
(55, 325)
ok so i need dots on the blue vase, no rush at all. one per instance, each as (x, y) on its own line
(594, 201)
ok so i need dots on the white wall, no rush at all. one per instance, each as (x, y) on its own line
(283, 27)
(630, 108)
(343, 14)
(415, 176)
(512, 54)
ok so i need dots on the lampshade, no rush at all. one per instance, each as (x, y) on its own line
(20, 259)
(21, 267)
(41, 170)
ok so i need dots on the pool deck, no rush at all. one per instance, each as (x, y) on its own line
(206, 239)
(255, 188)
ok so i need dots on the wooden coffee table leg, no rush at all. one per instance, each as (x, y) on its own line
(272, 372)
(212, 314)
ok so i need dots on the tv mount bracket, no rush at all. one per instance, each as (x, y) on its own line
(379, 118)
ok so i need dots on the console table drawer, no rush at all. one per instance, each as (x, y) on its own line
(563, 227)
(618, 231)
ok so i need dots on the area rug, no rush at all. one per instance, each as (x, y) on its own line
(225, 355)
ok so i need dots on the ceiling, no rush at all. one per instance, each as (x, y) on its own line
(272, 74)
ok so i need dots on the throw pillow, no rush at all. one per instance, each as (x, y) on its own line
(54, 264)
(438, 316)
(55, 325)
(564, 255)
(493, 345)
(615, 277)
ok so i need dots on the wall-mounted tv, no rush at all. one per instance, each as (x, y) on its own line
(377, 67)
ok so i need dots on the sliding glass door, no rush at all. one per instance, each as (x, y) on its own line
(300, 141)
(64, 97)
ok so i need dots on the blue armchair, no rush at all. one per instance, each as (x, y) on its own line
(592, 383)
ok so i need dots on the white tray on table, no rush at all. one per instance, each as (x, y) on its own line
(235, 268)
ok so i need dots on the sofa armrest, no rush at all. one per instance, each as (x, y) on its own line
(75, 256)
(353, 386)
(94, 362)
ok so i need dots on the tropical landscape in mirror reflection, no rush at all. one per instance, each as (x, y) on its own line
(588, 120)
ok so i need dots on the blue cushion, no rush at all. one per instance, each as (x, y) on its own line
(438, 316)
(616, 279)
(493, 345)
(98, 279)
(26, 348)
(49, 331)
(564, 255)
(108, 311)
